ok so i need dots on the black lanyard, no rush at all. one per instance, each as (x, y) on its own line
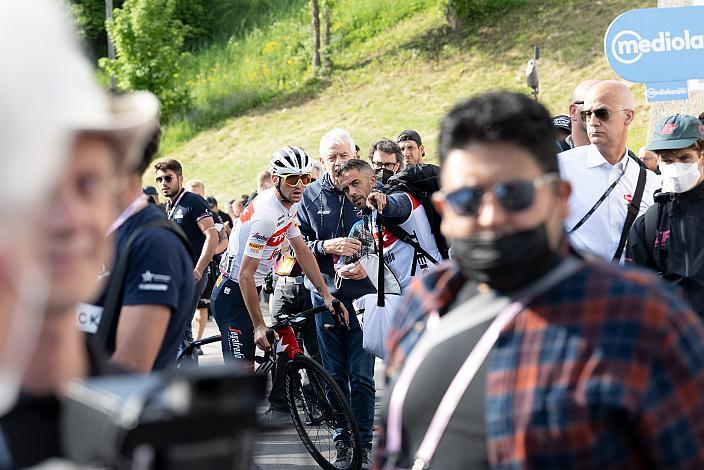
(598, 203)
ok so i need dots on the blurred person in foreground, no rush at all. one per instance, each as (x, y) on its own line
(31, 106)
(541, 359)
(146, 308)
(104, 135)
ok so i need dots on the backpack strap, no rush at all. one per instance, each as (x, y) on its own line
(633, 210)
(107, 329)
(405, 237)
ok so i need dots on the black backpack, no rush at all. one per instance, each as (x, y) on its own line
(420, 181)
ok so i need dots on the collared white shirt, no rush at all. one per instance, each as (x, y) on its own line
(590, 176)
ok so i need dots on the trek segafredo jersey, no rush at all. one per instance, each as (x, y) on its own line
(400, 257)
(258, 233)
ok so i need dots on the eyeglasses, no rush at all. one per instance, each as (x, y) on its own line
(389, 166)
(513, 196)
(167, 179)
(601, 114)
(293, 180)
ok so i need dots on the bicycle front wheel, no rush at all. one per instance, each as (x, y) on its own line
(322, 415)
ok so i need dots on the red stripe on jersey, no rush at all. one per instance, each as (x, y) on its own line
(247, 213)
(414, 201)
(277, 238)
(389, 238)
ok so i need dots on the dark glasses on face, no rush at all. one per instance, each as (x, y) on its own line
(513, 196)
(167, 179)
(601, 114)
(293, 180)
(389, 166)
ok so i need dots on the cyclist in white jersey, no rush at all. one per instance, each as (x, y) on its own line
(255, 238)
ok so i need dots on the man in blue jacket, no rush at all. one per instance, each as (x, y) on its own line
(326, 217)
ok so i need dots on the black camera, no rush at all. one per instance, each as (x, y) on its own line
(181, 419)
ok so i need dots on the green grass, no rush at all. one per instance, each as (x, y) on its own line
(397, 65)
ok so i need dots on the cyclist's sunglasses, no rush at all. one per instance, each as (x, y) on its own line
(514, 196)
(167, 179)
(293, 180)
(601, 114)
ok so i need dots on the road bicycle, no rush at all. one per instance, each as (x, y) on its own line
(319, 410)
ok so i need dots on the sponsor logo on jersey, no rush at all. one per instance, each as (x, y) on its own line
(277, 238)
(258, 236)
(255, 246)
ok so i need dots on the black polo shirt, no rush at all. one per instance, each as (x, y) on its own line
(159, 272)
(190, 208)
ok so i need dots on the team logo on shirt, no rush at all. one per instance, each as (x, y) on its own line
(154, 282)
(148, 276)
(178, 214)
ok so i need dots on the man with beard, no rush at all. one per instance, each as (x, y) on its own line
(411, 147)
(399, 210)
(386, 158)
(190, 211)
(519, 354)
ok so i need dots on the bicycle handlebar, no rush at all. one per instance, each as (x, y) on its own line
(337, 317)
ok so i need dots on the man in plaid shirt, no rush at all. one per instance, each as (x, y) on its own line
(604, 368)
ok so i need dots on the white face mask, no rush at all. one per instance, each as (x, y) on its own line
(21, 335)
(679, 177)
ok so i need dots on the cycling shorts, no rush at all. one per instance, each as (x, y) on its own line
(234, 322)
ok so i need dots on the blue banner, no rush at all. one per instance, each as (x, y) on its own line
(657, 44)
(666, 91)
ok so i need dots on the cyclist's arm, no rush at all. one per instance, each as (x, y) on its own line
(140, 333)
(249, 290)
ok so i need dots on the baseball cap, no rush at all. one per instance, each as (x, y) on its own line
(409, 135)
(49, 92)
(562, 122)
(676, 132)
(150, 191)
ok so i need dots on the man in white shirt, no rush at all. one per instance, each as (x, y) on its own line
(603, 171)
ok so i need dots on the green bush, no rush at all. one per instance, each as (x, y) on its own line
(148, 42)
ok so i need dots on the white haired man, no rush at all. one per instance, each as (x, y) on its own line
(326, 218)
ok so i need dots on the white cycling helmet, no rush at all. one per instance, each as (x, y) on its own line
(290, 161)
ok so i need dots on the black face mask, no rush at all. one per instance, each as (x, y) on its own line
(507, 263)
(383, 175)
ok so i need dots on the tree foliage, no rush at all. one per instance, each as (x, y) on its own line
(148, 42)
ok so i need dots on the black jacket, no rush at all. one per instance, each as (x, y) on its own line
(669, 238)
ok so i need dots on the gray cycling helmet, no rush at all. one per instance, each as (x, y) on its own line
(290, 161)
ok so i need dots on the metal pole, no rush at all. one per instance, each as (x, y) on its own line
(111, 46)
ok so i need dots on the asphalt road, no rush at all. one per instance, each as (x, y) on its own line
(280, 450)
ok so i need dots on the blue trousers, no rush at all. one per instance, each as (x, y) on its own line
(351, 367)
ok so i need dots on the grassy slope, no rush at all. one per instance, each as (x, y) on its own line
(406, 77)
